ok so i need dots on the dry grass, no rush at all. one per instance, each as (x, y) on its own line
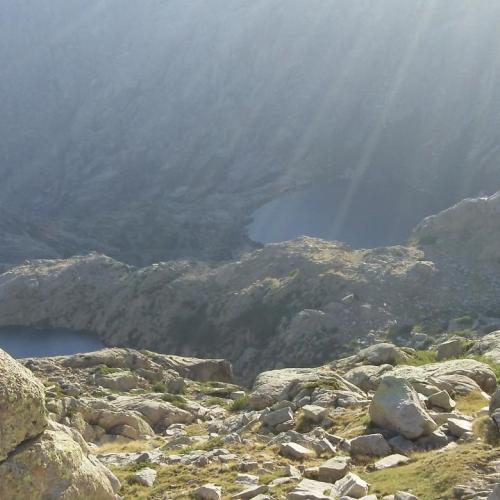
(472, 403)
(135, 446)
(433, 475)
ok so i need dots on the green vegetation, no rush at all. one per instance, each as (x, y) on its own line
(177, 481)
(485, 429)
(239, 404)
(176, 400)
(421, 358)
(432, 475)
(106, 370)
(159, 387)
(332, 384)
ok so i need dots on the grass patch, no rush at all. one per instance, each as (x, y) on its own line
(324, 383)
(471, 404)
(159, 387)
(178, 481)
(421, 358)
(433, 475)
(133, 446)
(239, 404)
(106, 370)
(352, 422)
(175, 400)
(485, 429)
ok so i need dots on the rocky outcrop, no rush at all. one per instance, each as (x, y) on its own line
(22, 405)
(469, 230)
(396, 406)
(286, 384)
(55, 465)
(39, 458)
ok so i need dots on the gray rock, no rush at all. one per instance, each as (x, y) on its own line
(309, 489)
(442, 400)
(208, 492)
(401, 445)
(251, 492)
(391, 461)
(452, 348)
(403, 495)
(396, 406)
(334, 469)
(146, 477)
(315, 413)
(296, 451)
(374, 445)
(458, 427)
(352, 485)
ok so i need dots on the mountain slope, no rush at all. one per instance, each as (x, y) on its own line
(153, 131)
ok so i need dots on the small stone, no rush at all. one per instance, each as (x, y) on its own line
(352, 485)
(248, 479)
(442, 400)
(251, 492)
(403, 495)
(401, 445)
(208, 492)
(315, 413)
(458, 427)
(272, 419)
(370, 445)
(309, 489)
(391, 461)
(334, 469)
(294, 450)
(146, 477)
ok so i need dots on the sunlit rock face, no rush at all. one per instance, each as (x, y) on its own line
(155, 130)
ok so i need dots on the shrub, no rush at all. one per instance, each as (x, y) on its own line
(239, 404)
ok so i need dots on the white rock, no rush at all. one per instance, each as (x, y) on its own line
(294, 450)
(391, 461)
(352, 485)
(146, 477)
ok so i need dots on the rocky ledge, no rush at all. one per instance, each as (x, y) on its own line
(298, 303)
(386, 423)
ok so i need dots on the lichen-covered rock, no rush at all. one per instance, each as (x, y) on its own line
(396, 406)
(22, 405)
(54, 465)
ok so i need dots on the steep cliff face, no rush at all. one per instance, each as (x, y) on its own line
(153, 131)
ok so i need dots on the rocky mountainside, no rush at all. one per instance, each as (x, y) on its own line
(152, 131)
(386, 423)
(297, 303)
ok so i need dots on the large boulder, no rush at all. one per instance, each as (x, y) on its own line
(22, 405)
(280, 385)
(55, 465)
(382, 354)
(396, 406)
(158, 414)
(445, 372)
(488, 346)
(366, 377)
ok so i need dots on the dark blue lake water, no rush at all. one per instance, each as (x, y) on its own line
(30, 343)
(374, 215)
